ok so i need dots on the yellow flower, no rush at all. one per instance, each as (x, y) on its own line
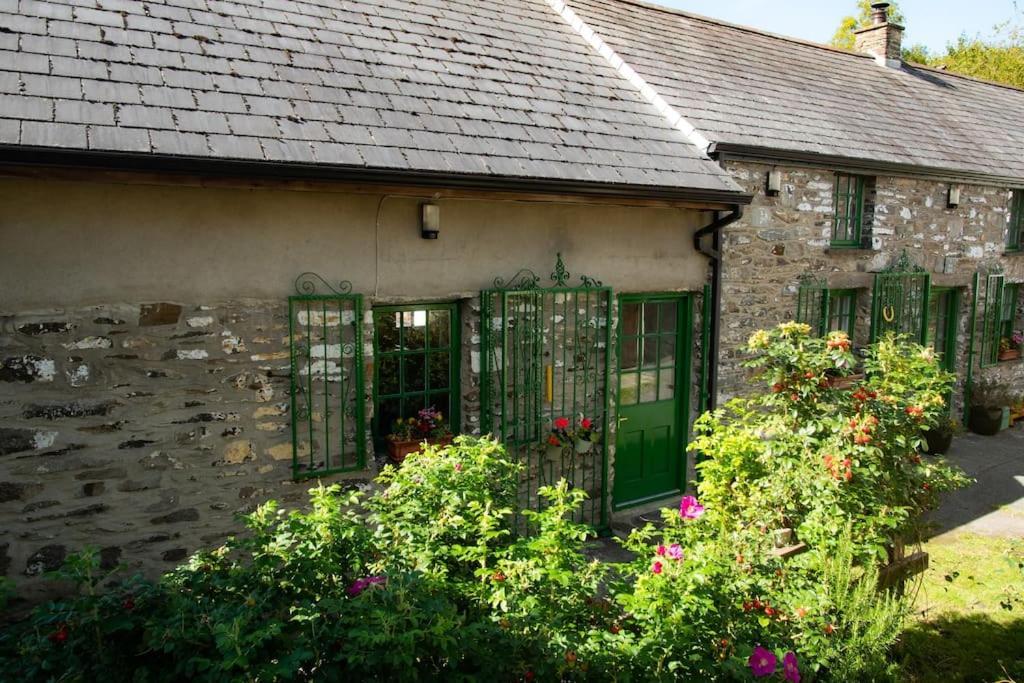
(759, 340)
(794, 328)
(412, 420)
(440, 417)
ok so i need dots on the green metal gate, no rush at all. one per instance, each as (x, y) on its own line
(545, 354)
(901, 301)
(327, 387)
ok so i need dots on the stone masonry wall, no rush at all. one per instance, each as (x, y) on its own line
(781, 238)
(140, 430)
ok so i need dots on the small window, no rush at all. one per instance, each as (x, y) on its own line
(842, 311)
(1015, 235)
(1009, 326)
(849, 201)
(992, 316)
(416, 364)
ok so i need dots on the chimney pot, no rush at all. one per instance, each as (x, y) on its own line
(879, 13)
(882, 39)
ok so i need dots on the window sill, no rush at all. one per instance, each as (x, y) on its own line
(852, 249)
(1013, 252)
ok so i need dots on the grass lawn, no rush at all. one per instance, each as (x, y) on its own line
(968, 622)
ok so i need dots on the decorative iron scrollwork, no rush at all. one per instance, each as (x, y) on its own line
(526, 279)
(904, 265)
(523, 280)
(306, 285)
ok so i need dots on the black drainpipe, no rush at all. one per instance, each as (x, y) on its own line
(715, 254)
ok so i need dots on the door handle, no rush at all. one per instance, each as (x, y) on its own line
(623, 419)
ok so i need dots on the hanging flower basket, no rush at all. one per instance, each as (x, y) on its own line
(584, 446)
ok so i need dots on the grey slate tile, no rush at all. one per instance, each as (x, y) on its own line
(46, 134)
(140, 116)
(119, 139)
(52, 86)
(179, 144)
(235, 146)
(334, 153)
(28, 108)
(10, 131)
(201, 121)
(77, 111)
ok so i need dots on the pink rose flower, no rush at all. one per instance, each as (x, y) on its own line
(362, 584)
(790, 668)
(675, 551)
(762, 662)
(661, 550)
(689, 508)
(656, 567)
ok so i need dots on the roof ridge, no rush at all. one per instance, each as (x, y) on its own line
(806, 43)
(674, 118)
(741, 27)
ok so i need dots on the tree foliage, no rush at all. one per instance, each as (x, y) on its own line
(844, 38)
(998, 57)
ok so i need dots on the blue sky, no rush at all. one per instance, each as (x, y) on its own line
(932, 22)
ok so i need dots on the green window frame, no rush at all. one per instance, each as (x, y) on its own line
(651, 356)
(943, 321)
(842, 312)
(1015, 234)
(416, 365)
(992, 319)
(848, 219)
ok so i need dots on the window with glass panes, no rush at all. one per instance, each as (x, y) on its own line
(847, 224)
(416, 354)
(1015, 237)
(842, 311)
(942, 324)
(649, 351)
(1008, 314)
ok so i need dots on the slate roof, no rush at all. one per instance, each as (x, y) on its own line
(740, 86)
(473, 87)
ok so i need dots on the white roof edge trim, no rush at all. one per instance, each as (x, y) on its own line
(674, 118)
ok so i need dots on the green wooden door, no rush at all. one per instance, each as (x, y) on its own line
(654, 360)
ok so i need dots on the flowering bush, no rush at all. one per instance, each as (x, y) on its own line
(813, 455)
(426, 578)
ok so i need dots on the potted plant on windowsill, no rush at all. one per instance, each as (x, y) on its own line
(1009, 347)
(409, 436)
(990, 407)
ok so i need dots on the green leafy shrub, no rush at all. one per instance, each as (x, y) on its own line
(427, 579)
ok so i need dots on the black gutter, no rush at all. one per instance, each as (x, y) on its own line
(715, 254)
(835, 162)
(278, 170)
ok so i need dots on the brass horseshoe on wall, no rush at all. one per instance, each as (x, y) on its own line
(889, 313)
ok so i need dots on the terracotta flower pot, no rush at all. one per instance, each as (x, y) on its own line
(399, 450)
(1011, 354)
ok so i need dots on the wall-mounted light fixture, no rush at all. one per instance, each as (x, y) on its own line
(954, 197)
(430, 221)
(774, 183)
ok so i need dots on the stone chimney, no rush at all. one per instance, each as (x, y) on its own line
(883, 40)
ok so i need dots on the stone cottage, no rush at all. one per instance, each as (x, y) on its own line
(853, 159)
(242, 238)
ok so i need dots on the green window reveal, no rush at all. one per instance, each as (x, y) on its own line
(848, 221)
(1015, 236)
(992, 319)
(943, 308)
(416, 363)
(842, 311)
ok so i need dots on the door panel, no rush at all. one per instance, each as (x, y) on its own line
(654, 341)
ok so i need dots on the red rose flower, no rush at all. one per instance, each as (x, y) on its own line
(561, 423)
(60, 635)
(585, 423)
